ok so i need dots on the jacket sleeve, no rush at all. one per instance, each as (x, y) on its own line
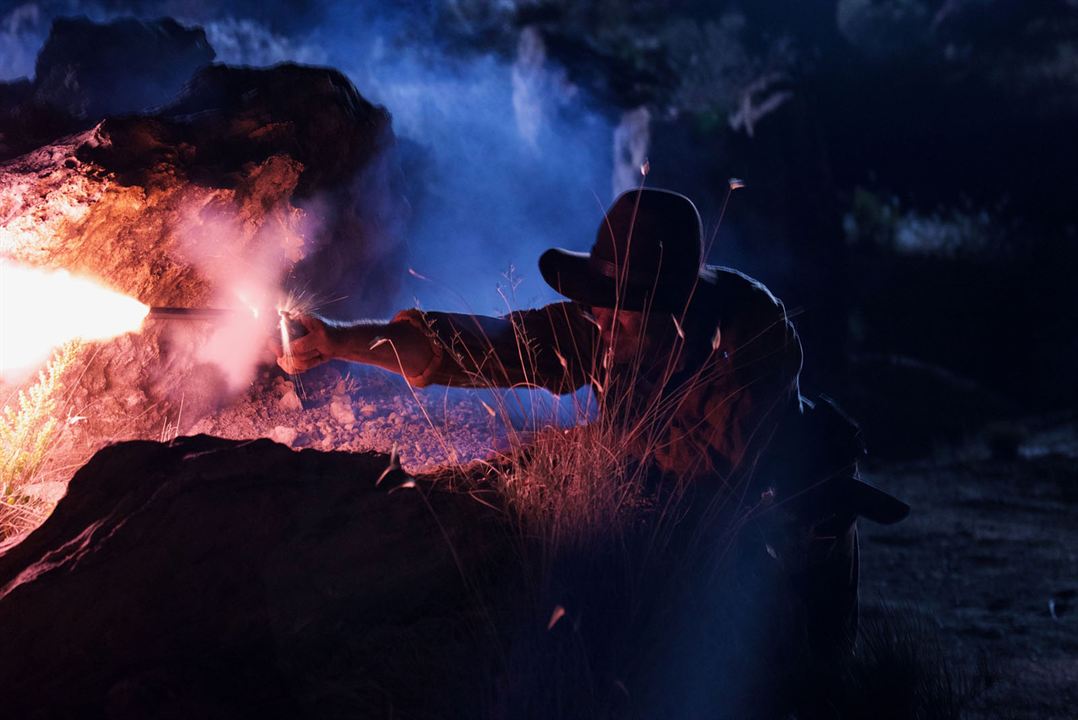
(550, 347)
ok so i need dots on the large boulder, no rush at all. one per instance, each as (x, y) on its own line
(91, 70)
(87, 71)
(214, 578)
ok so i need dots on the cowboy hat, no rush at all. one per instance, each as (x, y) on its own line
(647, 254)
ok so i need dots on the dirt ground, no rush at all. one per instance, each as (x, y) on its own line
(989, 560)
(348, 407)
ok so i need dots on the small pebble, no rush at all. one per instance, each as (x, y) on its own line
(340, 408)
(290, 401)
(284, 435)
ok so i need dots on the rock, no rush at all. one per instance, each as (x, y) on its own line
(290, 401)
(248, 579)
(25, 125)
(91, 70)
(340, 408)
(87, 70)
(283, 435)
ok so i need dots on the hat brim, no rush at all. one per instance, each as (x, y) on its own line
(572, 275)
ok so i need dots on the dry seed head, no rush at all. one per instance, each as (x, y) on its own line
(716, 339)
(558, 614)
(407, 484)
(677, 326)
(394, 464)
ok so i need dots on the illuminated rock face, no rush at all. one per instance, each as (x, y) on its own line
(253, 183)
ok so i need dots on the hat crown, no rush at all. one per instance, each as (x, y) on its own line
(650, 236)
(648, 254)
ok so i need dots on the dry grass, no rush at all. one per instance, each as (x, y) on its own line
(29, 429)
(899, 670)
(603, 540)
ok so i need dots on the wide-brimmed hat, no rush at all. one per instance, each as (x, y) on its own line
(647, 254)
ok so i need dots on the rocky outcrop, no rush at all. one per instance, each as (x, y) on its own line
(90, 70)
(87, 71)
(213, 578)
(270, 162)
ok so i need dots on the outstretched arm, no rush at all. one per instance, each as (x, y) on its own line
(550, 347)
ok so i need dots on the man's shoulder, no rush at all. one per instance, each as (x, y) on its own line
(730, 291)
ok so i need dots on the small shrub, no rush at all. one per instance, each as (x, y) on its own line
(29, 429)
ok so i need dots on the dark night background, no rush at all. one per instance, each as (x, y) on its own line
(911, 174)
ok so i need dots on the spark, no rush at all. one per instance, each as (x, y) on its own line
(286, 341)
(558, 614)
(736, 183)
(253, 307)
(645, 168)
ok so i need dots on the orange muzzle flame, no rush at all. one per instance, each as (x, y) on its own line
(43, 309)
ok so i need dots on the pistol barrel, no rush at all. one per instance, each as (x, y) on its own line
(185, 313)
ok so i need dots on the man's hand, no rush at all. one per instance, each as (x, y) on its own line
(311, 350)
(399, 347)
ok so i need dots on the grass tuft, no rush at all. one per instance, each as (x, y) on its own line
(29, 428)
